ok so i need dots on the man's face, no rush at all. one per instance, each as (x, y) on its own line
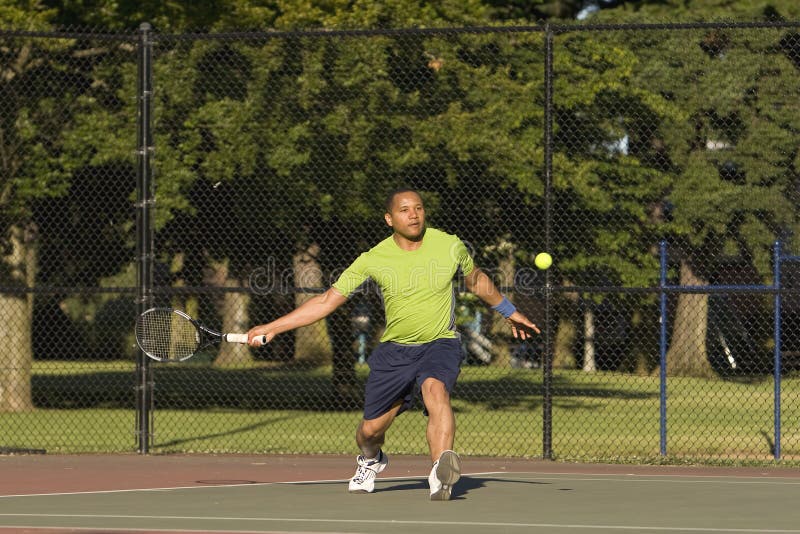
(407, 216)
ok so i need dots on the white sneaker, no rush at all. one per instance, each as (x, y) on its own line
(446, 472)
(364, 479)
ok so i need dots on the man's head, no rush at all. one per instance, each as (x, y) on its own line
(405, 213)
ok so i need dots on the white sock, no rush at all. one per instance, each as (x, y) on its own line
(371, 459)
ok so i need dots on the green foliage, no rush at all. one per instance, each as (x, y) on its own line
(659, 134)
(607, 176)
(533, 10)
(323, 127)
(699, 10)
(725, 154)
(30, 99)
(125, 15)
(25, 15)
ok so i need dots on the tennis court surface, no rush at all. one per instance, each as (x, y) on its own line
(132, 493)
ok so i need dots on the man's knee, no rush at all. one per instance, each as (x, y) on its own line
(434, 392)
(434, 386)
(370, 429)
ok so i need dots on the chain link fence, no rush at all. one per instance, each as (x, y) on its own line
(268, 157)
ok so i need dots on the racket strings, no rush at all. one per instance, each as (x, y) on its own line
(166, 335)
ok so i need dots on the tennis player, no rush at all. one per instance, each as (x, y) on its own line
(419, 351)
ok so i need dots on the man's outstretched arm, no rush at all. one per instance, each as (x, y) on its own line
(481, 285)
(311, 311)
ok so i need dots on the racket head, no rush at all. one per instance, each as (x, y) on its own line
(167, 335)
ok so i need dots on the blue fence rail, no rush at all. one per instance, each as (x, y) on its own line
(779, 258)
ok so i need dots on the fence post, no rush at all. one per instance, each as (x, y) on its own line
(776, 282)
(547, 360)
(144, 227)
(662, 283)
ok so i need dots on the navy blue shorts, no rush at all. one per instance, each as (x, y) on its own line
(397, 372)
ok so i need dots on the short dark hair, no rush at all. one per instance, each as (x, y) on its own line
(394, 193)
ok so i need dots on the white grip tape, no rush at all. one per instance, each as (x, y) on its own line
(242, 338)
(236, 338)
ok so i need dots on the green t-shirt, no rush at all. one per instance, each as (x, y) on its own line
(417, 285)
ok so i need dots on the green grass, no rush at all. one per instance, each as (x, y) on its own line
(89, 407)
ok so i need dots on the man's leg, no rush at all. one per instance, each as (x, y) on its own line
(441, 430)
(441, 433)
(370, 436)
(371, 433)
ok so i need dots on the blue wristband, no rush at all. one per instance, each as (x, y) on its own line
(505, 308)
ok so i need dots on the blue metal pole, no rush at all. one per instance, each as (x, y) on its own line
(663, 349)
(777, 365)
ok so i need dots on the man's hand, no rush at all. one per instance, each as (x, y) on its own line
(521, 326)
(257, 333)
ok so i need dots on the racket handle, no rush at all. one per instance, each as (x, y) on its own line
(242, 338)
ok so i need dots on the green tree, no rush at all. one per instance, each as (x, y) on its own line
(506, 10)
(318, 128)
(731, 159)
(32, 96)
(177, 188)
(608, 175)
(126, 15)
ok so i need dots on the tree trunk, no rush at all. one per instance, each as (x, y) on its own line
(16, 359)
(639, 362)
(563, 354)
(687, 354)
(233, 311)
(188, 303)
(347, 394)
(312, 344)
(589, 362)
(566, 310)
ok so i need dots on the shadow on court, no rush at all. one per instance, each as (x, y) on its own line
(465, 486)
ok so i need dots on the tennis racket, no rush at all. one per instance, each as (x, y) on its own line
(169, 335)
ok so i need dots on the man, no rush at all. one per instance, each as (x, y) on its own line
(419, 350)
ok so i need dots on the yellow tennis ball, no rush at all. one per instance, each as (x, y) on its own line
(543, 260)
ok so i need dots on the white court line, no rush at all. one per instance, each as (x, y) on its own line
(410, 523)
(111, 530)
(563, 475)
(102, 492)
(684, 480)
(205, 486)
(528, 476)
